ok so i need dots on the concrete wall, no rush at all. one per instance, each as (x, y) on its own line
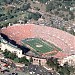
(11, 49)
(69, 59)
(39, 61)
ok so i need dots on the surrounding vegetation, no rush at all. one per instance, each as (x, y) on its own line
(13, 56)
(62, 9)
(11, 11)
(62, 70)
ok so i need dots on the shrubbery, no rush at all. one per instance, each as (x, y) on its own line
(13, 56)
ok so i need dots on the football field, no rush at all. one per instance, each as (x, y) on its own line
(38, 45)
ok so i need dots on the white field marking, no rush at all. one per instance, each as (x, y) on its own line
(39, 45)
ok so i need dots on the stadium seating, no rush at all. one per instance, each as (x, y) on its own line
(62, 39)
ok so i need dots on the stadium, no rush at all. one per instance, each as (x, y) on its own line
(39, 41)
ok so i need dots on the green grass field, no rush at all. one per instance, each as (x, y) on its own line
(38, 44)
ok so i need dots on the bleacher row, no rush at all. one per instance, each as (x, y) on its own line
(17, 33)
(62, 39)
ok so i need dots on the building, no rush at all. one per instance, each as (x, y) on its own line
(17, 33)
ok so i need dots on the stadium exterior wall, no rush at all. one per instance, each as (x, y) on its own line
(11, 49)
(70, 60)
(37, 61)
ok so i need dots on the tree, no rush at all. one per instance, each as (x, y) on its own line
(50, 6)
(31, 60)
(6, 53)
(72, 32)
(25, 7)
(8, 1)
(29, 16)
(53, 62)
(43, 1)
(12, 56)
(66, 69)
(24, 60)
(16, 59)
(63, 28)
(36, 15)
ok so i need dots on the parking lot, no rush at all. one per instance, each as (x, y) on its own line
(38, 70)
